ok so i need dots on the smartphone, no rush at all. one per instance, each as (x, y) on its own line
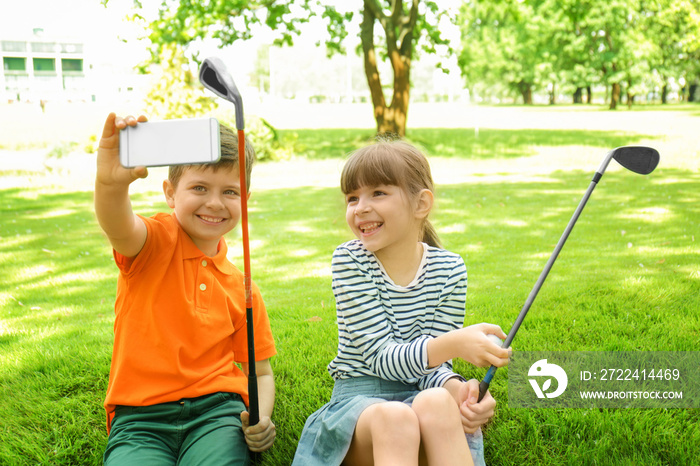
(170, 142)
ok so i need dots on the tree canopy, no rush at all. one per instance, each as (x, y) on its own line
(519, 48)
(575, 44)
(390, 30)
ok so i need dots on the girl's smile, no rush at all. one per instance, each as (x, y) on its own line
(369, 228)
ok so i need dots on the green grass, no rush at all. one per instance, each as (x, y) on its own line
(459, 143)
(627, 280)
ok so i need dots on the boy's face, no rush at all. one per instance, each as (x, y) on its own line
(207, 204)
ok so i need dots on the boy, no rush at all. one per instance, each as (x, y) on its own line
(176, 394)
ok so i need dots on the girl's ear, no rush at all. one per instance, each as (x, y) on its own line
(424, 204)
(169, 192)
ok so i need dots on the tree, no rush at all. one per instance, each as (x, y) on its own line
(571, 45)
(402, 29)
(403, 26)
(398, 26)
(532, 44)
(501, 43)
(173, 94)
(675, 27)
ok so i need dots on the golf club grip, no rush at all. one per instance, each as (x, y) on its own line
(484, 385)
(483, 388)
(253, 408)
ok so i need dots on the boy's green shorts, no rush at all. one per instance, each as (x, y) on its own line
(196, 431)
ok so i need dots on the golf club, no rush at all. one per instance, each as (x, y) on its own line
(638, 159)
(214, 76)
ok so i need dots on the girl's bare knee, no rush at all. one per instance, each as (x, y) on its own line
(385, 430)
(435, 405)
(397, 417)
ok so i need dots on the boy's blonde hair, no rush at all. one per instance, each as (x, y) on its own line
(229, 157)
(391, 162)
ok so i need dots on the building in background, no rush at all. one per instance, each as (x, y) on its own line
(48, 66)
(38, 67)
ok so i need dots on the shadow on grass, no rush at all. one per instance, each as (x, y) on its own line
(51, 247)
(461, 143)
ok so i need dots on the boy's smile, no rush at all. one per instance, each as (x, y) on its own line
(211, 220)
(207, 204)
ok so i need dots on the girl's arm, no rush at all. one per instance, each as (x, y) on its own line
(125, 231)
(469, 343)
(454, 340)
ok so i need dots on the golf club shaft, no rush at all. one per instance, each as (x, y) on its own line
(484, 385)
(253, 409)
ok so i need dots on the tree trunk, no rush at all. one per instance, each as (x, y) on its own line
(615, 96)
(525, 89)
(664, 93)
(398, 28)
(553, 94)
(578, 95)
(589, 96)
(371, 71)
(630, 95)
(692, 89)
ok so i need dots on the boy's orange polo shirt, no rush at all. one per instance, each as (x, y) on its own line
(180, 323)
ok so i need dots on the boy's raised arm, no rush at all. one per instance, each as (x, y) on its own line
(125, 231)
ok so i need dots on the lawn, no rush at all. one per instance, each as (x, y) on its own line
(627, 280)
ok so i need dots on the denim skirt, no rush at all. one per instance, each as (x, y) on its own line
(328, 432)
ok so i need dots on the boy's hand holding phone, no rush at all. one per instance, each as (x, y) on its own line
(110, 172)
(129, 145)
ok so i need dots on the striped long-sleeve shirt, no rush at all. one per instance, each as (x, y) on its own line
(383, 328)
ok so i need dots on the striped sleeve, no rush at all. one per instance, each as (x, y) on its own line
(438, 377)
(449, 315)
(365, 333)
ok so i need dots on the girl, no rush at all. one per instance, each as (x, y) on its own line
(400, 303)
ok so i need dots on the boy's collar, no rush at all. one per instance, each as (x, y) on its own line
(191, 251)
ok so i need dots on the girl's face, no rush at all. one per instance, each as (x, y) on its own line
(207, 204)
(384, 219)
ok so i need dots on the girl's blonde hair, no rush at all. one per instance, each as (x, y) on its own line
(395, 163)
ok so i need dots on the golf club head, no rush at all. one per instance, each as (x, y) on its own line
(639, 159)
(214, 76)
